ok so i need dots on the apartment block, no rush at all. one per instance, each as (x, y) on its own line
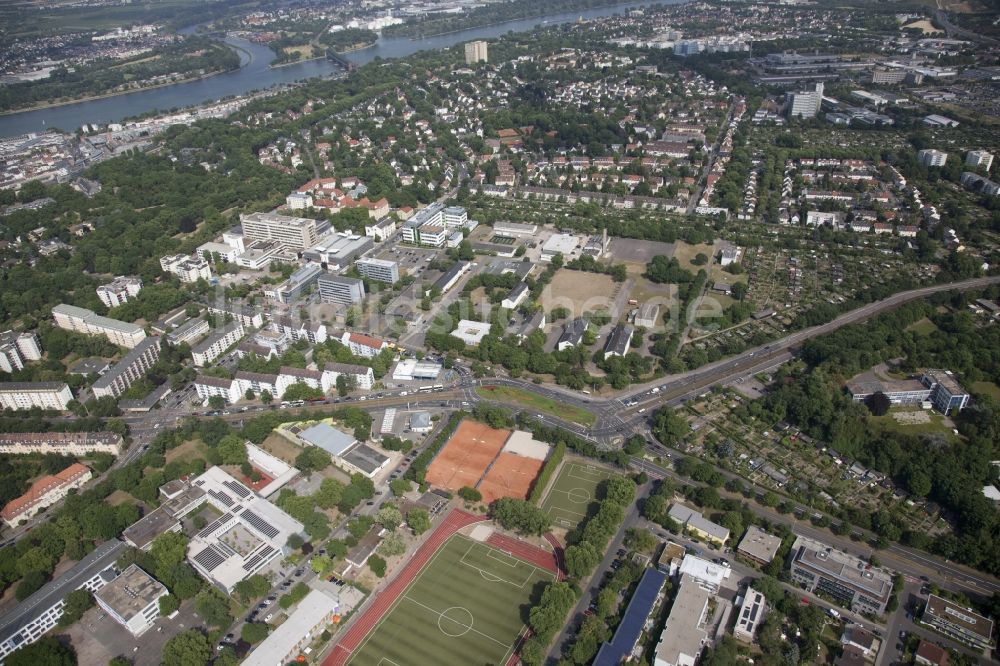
(132, 599)
(74, 444)
(476, 51)
(133, 367)
(958, 622)
(854, 583)
(380, 270)
(209, 387)
(218, 341)
(119, 291)
(382, 229)
(188, 268)
(25, 395)
(750, 615)
(698, 525)
(45, 492)
(930, 157)
(340, 290)
(295, 233)
(82, 320)
(16, 349)
(363, 376)
(979, 158)
(362, 345)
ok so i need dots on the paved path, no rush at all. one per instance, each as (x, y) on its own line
(385, 598)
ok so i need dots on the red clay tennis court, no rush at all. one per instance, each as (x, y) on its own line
(466, 456)
(510, 476)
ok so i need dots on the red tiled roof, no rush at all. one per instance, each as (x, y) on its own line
(42, 486)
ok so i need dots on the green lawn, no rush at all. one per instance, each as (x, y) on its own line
(573, 492)
(987, 388)
(937, 424)
(467, 606)
(922, 327)
(537, 402)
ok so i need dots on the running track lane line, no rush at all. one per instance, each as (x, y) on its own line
(559, 553)
(542, 559)
(384, 600)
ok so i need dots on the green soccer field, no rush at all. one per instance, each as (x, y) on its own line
(465, 608)
(574, 490)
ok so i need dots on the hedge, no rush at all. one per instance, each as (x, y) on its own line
(558, 452)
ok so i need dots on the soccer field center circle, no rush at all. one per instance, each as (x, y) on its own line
(457, 619)
(578, 495)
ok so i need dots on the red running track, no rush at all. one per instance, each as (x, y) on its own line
(559, 552)
(384, 600)
(542, 559)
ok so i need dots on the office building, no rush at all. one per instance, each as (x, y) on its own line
(698, 525)
(686, 631)
(476, 51)
(29, 620)
(362, 345)
(339, 250)
(45, 492)
(133, 367)
(362, 376)
(285, 644)
(854, 583)
(16, 349)
(887, 76)
(563, 244)
(946, 394)
(132, 599)
(644, 601)
(179, 498)
(297, 284)
(426, 234)
(379, 270)
(258, 255)
(75, 444)
(25, 395)
(454, 216)
(217, 342)
(759, 546)
(215, 252)
(958, 622)
(471, 332)
(805, 104)
(292, 233)
(979, 158)
(939, 388)
(188, 268)
(930, 157)
(82, 320)
(340, 290)
(248, 536)
(688, 47)
(119, 291)
(750, 615)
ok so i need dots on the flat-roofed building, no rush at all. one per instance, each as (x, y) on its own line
(380, 270)
(563, 244)
(759, 546)
(338, 250)
(188, 268)
(340, 290)
(698, 525)
(706, 572)
(750, 615)
(217, 342)
(686, 631)
(471, 332)
(29, 620)
(410, 368)
(25, 395)
(296, 285)
(74, 444)
(295, 233)
(82, 320)
(45, 492)
(133, 367)
(642, 604)
(514, 229)
(854, 583)
(181, 501)
(119, 291)
(188, 332)
(946, 394)
(647, 316)
(979, 158)
(248, 536)
(958, 622)
(132, 599)
(310, 618)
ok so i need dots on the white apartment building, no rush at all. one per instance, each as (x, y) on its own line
(382, 229)
(222, 251)
(363, 345)
(227, 389)
(132, 599)
(979, 158)
(477, 51)
(85, 321)
(221, 339)
(289, 376)
(187, 268)
(25, 395)
(296, 233)
(133, 367)
(380, 270)
(119, 291)
(806, 104)
(932, 158)
(750, 615)
(363, 376)
(76, 444)
(16, 349)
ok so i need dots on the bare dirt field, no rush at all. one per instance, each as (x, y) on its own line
(466, 456)
(579, 291)
(279, 446)
(193, 448)
(631, 250)
(510, 476)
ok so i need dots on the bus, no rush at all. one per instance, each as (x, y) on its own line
(439, 387)
(425, 389)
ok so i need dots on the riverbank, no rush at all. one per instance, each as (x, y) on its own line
(120, 93)
(356, 47)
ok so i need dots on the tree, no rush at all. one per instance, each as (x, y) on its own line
(400, 487)
(46, 651)
(520, 516)
(188, 648)
(266, 397)
(169, 604)
(232, 450)
(878, 403)
(345, 384)
(640, 539)
(254, 632)
(216, 402)
(77, 603)
(329, 494)
(377, 565)
(470, 494)
(168, 550)
(389, 517)
(249, 394)
(312, 459)
(213, 606)
(321, 564)
(392, 545)
(418, 520)
(252, 588)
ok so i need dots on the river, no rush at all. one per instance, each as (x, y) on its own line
(255, 73)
